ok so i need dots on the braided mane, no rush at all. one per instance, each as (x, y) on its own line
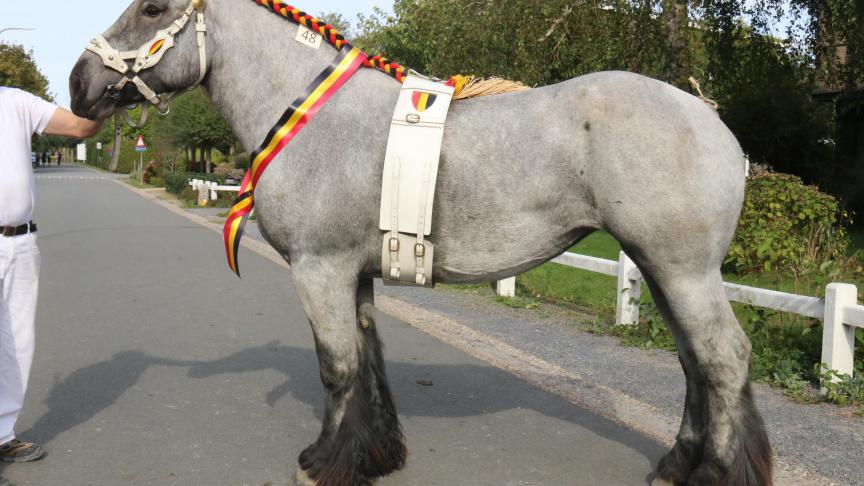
(466, 86)
(331, 35)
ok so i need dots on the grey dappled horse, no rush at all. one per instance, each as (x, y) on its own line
(523, 177)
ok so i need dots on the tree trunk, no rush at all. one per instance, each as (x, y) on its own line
(209, 159)
(679, 64)
(118, 138)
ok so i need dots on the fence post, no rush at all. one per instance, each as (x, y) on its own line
(629, 291)
(506, 288)
(203, 192)
(214, 188)
(838, 339)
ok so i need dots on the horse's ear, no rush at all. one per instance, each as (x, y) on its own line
(199, 5)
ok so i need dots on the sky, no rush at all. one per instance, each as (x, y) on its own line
(63, 28)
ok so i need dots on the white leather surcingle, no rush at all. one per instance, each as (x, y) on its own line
(410, 174)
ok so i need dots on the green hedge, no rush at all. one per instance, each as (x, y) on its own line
(787, 226)
(176, 182)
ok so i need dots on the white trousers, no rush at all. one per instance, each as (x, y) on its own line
(19, 286)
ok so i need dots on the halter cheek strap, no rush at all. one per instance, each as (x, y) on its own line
(149, 55)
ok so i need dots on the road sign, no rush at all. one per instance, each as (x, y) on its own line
(139, 146)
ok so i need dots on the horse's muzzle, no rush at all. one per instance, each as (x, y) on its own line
(87, 89)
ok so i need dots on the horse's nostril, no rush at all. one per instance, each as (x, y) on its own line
(75, 81)
(77, 86)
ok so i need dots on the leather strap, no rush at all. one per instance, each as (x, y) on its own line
(12, 231)
(395, 267)
(420, 247)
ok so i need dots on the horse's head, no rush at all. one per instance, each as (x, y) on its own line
(156, 48)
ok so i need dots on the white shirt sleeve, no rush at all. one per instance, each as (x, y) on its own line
(37, 110)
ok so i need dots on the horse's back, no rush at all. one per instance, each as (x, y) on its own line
(529, 173)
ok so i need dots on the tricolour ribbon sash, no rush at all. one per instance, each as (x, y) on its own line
(297, 116)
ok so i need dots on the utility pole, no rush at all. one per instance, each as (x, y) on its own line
(118, 139)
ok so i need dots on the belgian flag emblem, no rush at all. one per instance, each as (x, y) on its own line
(156, 47)
(423, 101)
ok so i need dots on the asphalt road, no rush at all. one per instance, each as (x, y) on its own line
(155, 365)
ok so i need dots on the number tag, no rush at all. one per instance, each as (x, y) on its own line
(309, 38)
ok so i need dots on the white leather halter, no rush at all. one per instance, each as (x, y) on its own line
(150, 54)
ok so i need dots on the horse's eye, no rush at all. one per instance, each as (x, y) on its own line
(152, 11)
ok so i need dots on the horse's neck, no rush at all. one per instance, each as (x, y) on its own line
(258, 69)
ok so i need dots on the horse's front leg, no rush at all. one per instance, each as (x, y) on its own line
(361, 438)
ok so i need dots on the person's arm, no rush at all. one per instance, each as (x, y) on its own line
(66, 124)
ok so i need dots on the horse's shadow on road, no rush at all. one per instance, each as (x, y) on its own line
(425, 390)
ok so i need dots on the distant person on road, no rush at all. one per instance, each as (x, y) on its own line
(22, 115)
(59, 158)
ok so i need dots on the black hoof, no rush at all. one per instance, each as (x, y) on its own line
(708, 475)
(675, 467)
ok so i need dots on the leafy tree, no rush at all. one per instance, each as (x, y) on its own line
(19, 70)
(338, 21)
(195, 124)
(537, 42)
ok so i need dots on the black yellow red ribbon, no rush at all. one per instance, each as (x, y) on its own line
(349, 60)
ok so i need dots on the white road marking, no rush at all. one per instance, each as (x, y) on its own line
(72, 178)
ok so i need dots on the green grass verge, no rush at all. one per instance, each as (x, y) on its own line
(562, 284)
(136, 183)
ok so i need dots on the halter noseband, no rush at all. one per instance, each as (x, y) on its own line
(150, 54)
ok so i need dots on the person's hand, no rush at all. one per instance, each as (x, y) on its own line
(66, 124)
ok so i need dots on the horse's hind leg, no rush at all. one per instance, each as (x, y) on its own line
(722, 440)
(361, 438)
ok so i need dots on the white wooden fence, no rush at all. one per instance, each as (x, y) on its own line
(207, 191)
(839, 311)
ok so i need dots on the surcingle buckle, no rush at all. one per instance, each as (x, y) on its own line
(395, 267)
(406, 261)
